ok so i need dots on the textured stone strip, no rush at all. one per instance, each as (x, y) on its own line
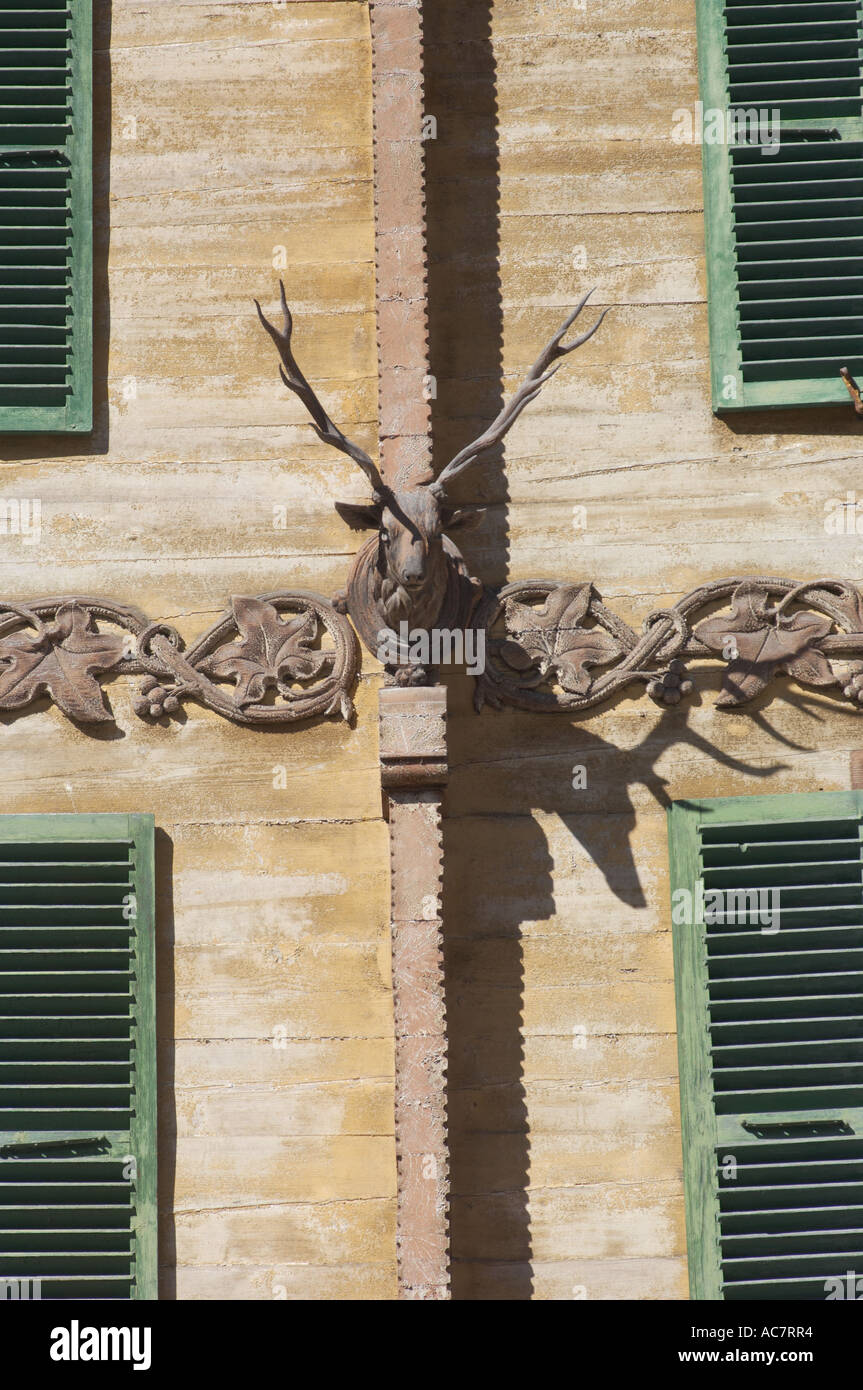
(413, 770)
(400, 241)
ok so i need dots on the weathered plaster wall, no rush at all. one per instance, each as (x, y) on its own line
(566, 1156)
(234, 129)
(251, 126)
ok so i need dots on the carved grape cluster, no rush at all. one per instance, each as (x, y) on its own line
(668, 687)
(409, 675)
(155, 700)
(853, 691)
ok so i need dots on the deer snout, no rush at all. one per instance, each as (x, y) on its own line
(413, 567)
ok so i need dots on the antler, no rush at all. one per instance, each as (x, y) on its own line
(541, 371)
(293, 378)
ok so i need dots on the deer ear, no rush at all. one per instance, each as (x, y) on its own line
(461, 518)
(359, 517)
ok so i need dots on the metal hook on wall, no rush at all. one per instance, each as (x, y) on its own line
(853, 389)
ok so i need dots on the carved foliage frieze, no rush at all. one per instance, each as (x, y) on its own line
(557, 646)
(550, 645)
(280, 657)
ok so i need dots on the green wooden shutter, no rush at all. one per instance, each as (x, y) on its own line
(77, 1055)
(784, 230)
(770, 1042)
(46, 233)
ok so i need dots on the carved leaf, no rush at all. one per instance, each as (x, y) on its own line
(553, 639)
(270, 653)
(849, 604)
(60, 661)
(757, 640)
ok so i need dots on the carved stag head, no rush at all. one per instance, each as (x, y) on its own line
(411, 571)
(411, 555)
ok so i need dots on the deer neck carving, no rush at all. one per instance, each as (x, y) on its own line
(410, 571)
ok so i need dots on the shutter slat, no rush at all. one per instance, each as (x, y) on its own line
(790, 965)
(785, 1290)
(775, 1098)
(35, 1025)
(782, 1221)
(78, 1216)
(779, 851)
(785, 1030)
(86, 1286)
(57, 1049)
(83, 1239)
(81, 1070)
(789, 1010)
(814, 1197)
(838, 1050)
(734, 941)
(795, 1242)
(778, 875)
(744, 989)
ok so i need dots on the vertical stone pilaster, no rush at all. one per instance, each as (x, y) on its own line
(412, 721)
(400, 242)
(413, 772)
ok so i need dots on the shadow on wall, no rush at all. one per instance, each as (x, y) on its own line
(166, 1064)
(491, 837)
(465, 356)
(464, 289)
(25, 448)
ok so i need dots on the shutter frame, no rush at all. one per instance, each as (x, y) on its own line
(144, 1127)
(75, 415)
(139, 1137)
(706, 1130)
(693, 1050)
(721, 241)
(718, 216)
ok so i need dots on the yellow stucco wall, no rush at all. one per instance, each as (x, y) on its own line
(239, 128)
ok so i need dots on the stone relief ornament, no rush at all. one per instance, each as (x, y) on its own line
(759, 639)
(54, 647)
(550, 645)
(410, 571)
(548, 640)
(254, 666)
(281, 657)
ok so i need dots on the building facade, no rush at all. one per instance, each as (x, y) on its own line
(233, 146)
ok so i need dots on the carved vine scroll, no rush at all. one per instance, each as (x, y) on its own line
(281, 657)
(557, 646)
(292, 655)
